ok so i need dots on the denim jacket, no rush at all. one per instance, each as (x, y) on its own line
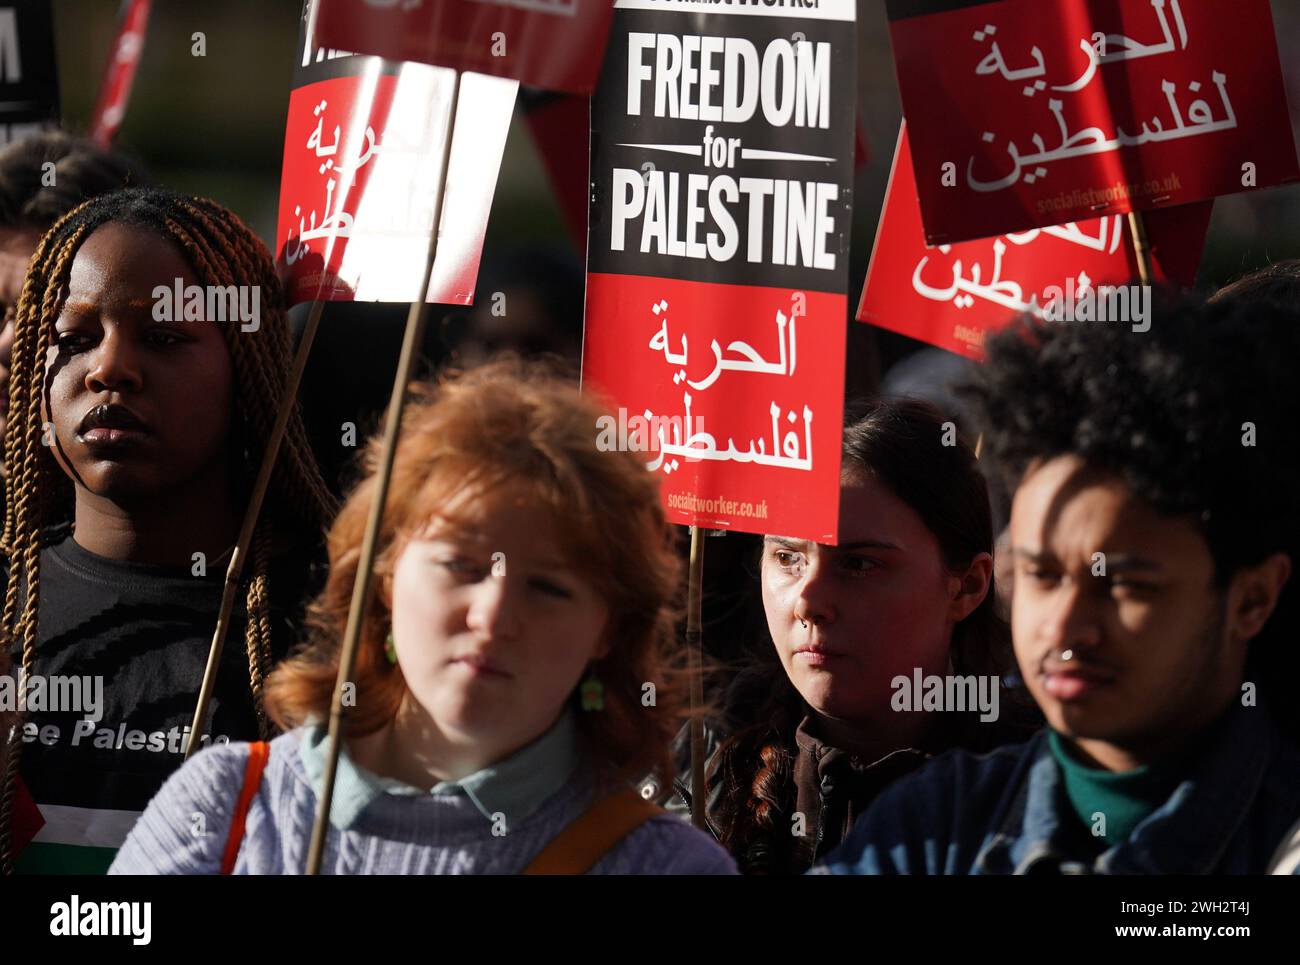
(1007, 813)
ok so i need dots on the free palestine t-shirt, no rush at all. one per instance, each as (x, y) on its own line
(141, 633)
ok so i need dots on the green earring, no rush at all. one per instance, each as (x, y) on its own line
(390, 648)
(593, 693)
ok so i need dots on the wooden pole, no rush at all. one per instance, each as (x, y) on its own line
(234, 570)
(416, 321)
(695, 651)
(1137, 228)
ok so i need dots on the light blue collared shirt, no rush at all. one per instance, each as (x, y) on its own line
(514, 787)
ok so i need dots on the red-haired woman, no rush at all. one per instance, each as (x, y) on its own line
(514, 675)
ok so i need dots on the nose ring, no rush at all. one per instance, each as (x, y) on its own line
(1067, 656)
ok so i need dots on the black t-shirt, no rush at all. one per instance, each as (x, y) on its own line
(139, 634)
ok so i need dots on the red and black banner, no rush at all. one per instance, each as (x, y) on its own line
(722, 154)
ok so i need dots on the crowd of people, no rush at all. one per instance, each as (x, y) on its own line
(1060, 641)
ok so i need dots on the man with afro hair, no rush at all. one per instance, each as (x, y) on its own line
(1152, 525)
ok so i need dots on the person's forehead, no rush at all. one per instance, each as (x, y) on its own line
(123, 235)
(871, 516)
(870, 512)
(474, 512)
(125, 262)
(1065, 506)
(534, 546)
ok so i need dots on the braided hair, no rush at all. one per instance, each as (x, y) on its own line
(754, 768)
(222, 251)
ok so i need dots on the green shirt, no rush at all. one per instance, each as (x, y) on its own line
(1109, 803)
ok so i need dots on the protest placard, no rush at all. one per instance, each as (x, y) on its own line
(722, 160)
(1025, 113)
(952, 296)
(363, 169)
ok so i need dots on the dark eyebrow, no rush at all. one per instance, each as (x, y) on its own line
(1123, 562)
(548, 564)
(76, 308)
(796, 544)
(85, 308)
(867, 544)
(1115, 562)
(1033, 556)
(786, 541)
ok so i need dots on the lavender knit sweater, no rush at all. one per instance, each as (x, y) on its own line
(184, 828)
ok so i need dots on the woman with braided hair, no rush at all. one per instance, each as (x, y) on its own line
(813, 730)
(136, 426)
(42, 177)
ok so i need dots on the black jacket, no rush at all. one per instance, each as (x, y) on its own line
(832, 787)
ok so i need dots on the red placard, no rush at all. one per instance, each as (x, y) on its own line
(765, 447)
(1036, 112)
(717, 257)
(555, 44)
(119, 74)
(363, 167)
(952, 296)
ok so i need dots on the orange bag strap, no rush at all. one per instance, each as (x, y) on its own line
(576, 849)
(258, 754)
